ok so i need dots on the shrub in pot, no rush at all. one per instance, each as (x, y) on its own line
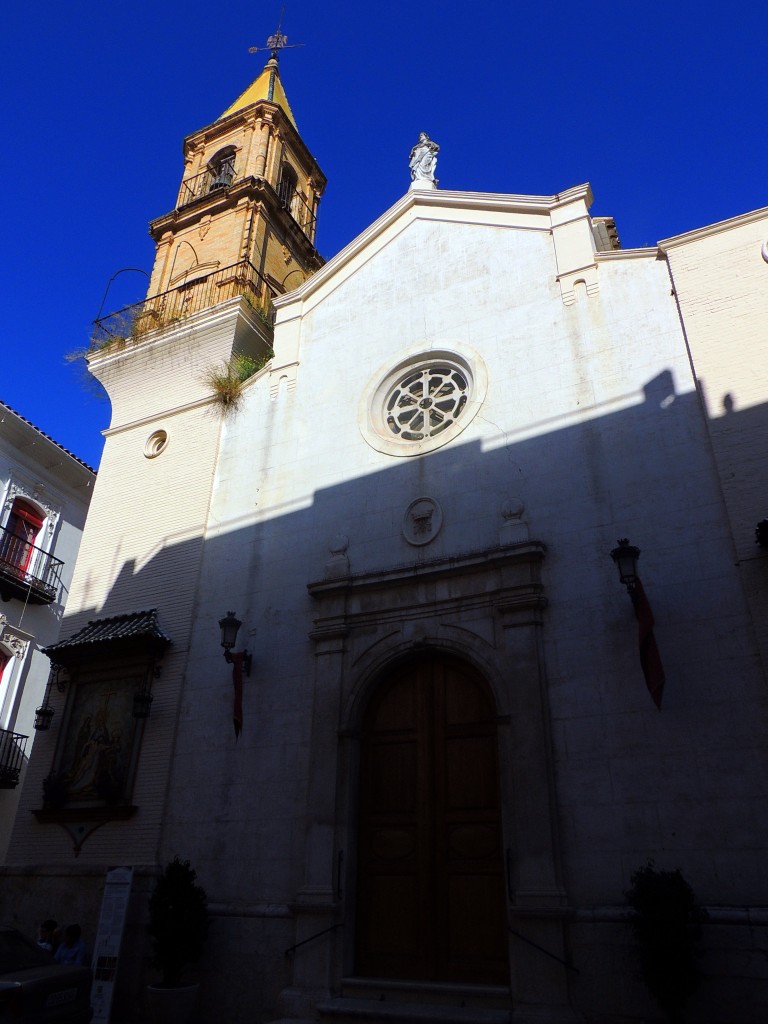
(178, 925)
(667, 924)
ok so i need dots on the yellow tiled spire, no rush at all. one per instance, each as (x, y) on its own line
(266, 87)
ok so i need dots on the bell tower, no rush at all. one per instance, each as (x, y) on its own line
(246, 210)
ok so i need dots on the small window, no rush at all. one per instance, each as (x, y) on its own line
(222, 169)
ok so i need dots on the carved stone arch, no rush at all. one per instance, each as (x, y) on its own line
(221, 168)
(483, 608)
(35, 493)
(383, 656)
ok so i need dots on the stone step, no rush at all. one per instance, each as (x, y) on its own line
(433, 993)
(395, 1011)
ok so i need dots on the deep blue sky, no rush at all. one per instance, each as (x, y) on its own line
(660, 106)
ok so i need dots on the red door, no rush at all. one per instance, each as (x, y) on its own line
(431, 896)
(21, 530)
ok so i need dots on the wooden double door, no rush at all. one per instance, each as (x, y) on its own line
(431, 902)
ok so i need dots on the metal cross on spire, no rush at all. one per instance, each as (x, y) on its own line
(276, 42)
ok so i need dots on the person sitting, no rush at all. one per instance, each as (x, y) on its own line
(72, 949)
(45, 935)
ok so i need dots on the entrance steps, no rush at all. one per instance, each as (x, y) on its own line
(368, 1001)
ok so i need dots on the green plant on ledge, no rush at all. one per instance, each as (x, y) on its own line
(262, 307)
(667, 925)
(226, 381)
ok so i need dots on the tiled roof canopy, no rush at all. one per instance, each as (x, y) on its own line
(136, 631)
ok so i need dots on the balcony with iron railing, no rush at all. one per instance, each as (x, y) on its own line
(210, 182)
(177, 304)
(204, 184)
(26, 571)
(304, 213)
(12, 754)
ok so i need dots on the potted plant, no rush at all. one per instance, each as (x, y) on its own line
(667, 924)
(178, 924)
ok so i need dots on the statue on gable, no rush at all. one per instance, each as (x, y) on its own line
(423, 160)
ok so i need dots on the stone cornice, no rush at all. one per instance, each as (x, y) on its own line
(446, 565)
(435, 204)
(164, 337)
(649, 252)
(255, 190)
(41, 453)
(714, 229)
(504, 580)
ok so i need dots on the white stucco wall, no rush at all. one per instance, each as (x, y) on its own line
(32, 466)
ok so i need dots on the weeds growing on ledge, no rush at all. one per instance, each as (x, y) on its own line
(226, 381)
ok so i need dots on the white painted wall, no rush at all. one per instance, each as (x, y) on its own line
(33, 466)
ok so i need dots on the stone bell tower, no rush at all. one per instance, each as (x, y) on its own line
(246, 210)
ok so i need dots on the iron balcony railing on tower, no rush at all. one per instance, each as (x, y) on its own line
(12, 752)
(207, 182)
(302, 212)
(191, 296)
(26, 571)
(203, 184)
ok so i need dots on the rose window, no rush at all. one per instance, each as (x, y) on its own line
(422, 402)
(426, 401)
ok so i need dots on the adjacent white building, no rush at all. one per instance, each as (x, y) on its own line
(45, 495)
(449, 763)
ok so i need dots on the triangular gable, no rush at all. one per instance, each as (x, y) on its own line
(482, 208)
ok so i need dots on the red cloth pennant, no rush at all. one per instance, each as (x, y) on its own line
(237, 679)
(650, 659)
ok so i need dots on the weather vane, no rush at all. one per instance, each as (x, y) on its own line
(276, 42)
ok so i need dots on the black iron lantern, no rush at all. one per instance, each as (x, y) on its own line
(625, 556)
(44, 714)
(761, 533)
(43, 717)
(229, 626)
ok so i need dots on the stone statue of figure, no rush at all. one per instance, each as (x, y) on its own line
(423, 159)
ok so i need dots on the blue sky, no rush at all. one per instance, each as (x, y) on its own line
(660, 106)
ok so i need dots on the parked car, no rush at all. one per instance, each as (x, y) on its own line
(35, 989)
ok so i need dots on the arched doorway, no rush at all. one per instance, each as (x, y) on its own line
(431, 897)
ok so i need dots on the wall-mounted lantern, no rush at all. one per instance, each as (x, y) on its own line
(43, 717)
(230, 626)
(44, 714)
(240, 662)
(761, 533)
(625, 556)
(142, 699)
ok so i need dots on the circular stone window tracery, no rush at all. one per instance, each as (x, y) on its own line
(423, 402)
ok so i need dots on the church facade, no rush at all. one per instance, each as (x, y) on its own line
(441, 754)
